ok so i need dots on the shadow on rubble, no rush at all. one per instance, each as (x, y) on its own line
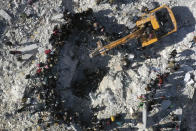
(174, 91)
(2, 27)
(111, 25)
(189, 109)
(90, 72)
(188, 60)
(80, 87)
(90, 83)
(86, 79)
(188, 118)
(170, 125)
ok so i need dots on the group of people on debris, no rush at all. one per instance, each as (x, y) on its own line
(46, 75)
(151, 89)
(156, 84)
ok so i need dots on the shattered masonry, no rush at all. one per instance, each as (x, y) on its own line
(49, 82)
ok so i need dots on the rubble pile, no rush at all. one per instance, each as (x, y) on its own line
(48, 81)
(42, 87)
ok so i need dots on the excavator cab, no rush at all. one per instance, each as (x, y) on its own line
(157, 23)
(148, 36)
(151, 27)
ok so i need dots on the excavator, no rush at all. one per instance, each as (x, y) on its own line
(153, 25)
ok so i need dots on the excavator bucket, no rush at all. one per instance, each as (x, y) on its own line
(97, 50)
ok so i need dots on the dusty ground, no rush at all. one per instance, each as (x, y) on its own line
(117, 89)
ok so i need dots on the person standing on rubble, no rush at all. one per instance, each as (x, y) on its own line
(160, 78)
(172, 65)
(9, 43)
(194, 40)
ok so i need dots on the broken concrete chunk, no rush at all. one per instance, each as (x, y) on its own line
(178, 111)
(191, 82)
(131, 56)
(143, 71)
(57, 16)
(189, 91)
(131, 110)
(110, 97)
(29, 11)
(194, 73)
(26, 56)
(187, 77)
(130, 25)
(29, 47)
(144, 115)
(17, 92)
(41, 50)
(28, 100)
(5, 15)
(92, 96)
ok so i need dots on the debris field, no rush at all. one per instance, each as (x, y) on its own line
(50, 82)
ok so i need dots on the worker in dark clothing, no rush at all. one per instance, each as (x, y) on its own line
(27, 76)
(150, 105)
(194, 40)
(173, 54)
(9, 43)
(148, 87)
(18, 55)
(41, 64)
(149, 31)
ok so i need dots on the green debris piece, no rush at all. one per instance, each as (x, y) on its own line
(171, 106)
(141, 104)
(23, 16)
(119, 123)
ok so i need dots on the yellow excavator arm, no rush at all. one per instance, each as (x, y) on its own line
(102, 50)
(152, 26)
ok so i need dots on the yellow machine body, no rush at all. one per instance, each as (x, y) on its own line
(152, 19)
(151, 27)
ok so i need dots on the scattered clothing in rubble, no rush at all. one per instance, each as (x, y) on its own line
(47, 51)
